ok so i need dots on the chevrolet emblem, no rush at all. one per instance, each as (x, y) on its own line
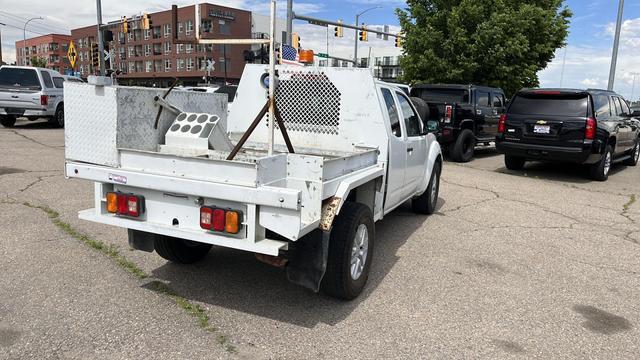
(541, 122)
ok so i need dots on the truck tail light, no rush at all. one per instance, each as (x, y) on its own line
(590, 129)
(448, 113)
(44, 100)
(125, 204)
(220, 220)
(502, 124)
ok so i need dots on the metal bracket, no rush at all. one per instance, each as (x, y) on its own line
(167, 105)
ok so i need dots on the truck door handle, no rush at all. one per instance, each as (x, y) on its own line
(409, 149)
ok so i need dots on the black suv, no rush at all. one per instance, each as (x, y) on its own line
(593, 127)
(467, 115)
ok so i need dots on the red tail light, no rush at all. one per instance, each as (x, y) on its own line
(44, 100)
(590, 129)
(206, 217)
(218, 220)
(448, 113)
(125, 204)
(502, 124)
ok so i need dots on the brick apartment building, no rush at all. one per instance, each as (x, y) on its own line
(150, 57)
(52, 47)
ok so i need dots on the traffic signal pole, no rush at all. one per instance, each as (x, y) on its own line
(100, 38)
(616, 43)
(355, 50)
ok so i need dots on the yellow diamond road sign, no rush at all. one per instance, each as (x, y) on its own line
(72, 55)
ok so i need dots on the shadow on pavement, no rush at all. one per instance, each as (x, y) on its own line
(481, 152)
(39, 124)
(236, 280)
(562, 172)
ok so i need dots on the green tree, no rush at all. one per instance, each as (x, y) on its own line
(501, 43)
(37, 61)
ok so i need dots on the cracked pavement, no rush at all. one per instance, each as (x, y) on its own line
(536, 263)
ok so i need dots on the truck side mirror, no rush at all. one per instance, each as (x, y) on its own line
(432, 126)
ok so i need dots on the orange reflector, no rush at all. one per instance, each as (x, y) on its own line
(112, 202)
(232, 222)
(306, 56)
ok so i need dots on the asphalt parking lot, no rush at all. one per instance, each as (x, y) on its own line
(535, 263)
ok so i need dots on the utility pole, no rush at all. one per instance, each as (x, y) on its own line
(289, 21)
(616, 43)
(355, 50)
(100, 39)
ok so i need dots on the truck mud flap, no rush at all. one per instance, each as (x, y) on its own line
(308, 260)
(140, 240)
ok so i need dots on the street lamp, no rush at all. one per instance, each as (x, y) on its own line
(24, 34)
(616, 43)
(355, 51)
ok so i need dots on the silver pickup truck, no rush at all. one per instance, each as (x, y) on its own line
(355, 149)
(32, 93)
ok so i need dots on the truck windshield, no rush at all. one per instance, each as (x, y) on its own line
(550, 105)
(11, 78)
(442, 95)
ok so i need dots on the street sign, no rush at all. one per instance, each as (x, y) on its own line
(322, 55)
(107, 55)
(317, 22)
(210, 64)
(72, 55)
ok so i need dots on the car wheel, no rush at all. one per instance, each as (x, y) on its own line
(58, 118)
(600, 170)
(426, 203)
(179, 250)
(635, 155)
(350, 252)
(8, 121)
(462, 149)
(514, 162)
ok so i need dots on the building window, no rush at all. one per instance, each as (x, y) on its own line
(131, 36)
(180, 27)
(189, 64)
(132, 51)
(167, 47)
(147, 50)
(167, 65)
(167, 30)
(158, 65)
(179, 48)
(225, 29)
(147, 34)
(189, 48)
(121, 38)
(180, 65)
(189, 27)
(149, 66)
(132, 67)
(225, 64)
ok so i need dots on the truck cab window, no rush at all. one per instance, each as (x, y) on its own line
(483, 98)
(497, 101)
(47, 79)
(394, 119)
(601, 103)
(411, 120)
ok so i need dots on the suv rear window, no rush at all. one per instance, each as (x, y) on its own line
(550, 105)
(19, 78)
(442, 95)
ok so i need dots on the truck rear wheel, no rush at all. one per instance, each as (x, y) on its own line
(600, 170)
(7, 120)
(426, 203)
(635, 155)
(462, 149)
(350, 252)
(180, 250)
(514, 162)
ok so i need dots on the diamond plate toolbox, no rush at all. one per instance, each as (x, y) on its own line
(99, 120)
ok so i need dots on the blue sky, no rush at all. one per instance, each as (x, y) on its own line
(588, 52)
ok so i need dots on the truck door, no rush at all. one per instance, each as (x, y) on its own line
(497, 109)
(416, 146)
(397, 152)
(624, 130)
(484, 113)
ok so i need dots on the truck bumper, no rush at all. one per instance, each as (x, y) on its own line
(26, 112)
(446, 135)
(588, 153)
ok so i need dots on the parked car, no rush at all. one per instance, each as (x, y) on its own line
(32, 93)
(467, 115)
(591, 127)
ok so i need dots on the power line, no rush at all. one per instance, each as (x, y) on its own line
(19, 28)
(46, 27)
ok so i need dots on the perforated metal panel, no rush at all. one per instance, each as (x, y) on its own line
(308, 101)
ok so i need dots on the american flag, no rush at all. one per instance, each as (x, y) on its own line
(289, 55)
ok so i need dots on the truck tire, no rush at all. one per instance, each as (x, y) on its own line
(350, 252)
(600, 170)
(8, 120)
(179, 250)
(635, 155)
(462, 149)
(514, 162)
(426, 203)
(58, 118)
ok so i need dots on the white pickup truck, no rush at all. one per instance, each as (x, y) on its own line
(358, 150)
(31, 92)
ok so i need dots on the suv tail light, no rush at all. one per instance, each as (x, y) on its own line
(502, 124)
(220, 220)
(125, 204)
(448, 113)
(44, 100)
(590, 129)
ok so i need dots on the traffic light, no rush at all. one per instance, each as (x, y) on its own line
(363, 33)
(146, 21)
(125, 25)
(95, 55)
(398, 41)
(295, 40)
(339, 30)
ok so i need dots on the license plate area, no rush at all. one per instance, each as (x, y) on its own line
(14, 111)
(542, 129)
